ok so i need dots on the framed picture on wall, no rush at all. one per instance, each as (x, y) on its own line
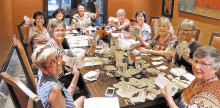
(167, 8)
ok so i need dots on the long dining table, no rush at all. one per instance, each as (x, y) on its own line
(98, 87)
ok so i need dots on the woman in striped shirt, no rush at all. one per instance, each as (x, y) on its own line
(49, 89)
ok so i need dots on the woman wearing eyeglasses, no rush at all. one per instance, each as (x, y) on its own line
(36, 31)
(57, 32)
(186, 33)
(52, 93)
(204, 91)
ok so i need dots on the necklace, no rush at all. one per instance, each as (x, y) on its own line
(210, 79)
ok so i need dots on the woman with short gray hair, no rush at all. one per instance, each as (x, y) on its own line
(186, 32)
(204, 90)
(122, 23)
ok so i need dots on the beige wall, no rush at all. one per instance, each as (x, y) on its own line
(12, 13)
(153, 8)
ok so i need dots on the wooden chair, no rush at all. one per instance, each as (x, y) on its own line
(195, 34)
(21, 96)
(215, 40)
(153, 20)
(25, 64)
(27, 47)
(133, 22)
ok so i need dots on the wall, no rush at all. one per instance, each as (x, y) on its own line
(132, 6)
(12, 13)
(153, 8)
(205, 24)
(20, 8)
(6, 29)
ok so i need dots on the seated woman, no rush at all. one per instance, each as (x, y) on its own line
(163, 41)
(36, 31)
(205, 89)
(50, 90)
(58, 14)
(145, 30)
(57, 33)
(186, 32)
(123, 23)
(82, 18)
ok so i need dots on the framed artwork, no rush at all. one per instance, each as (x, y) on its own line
(167, 8)
(207, 8)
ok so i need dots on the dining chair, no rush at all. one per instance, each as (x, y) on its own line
(21, 96)
(215, 40)
(195, 34)
(133, 22)
(27, 47)
(153, 20)
(25, 64)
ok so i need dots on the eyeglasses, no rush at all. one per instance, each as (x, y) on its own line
(186, 30)
(58, 31)
(204, 65)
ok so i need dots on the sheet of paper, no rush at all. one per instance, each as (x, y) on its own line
(161, 81)
(101, 102)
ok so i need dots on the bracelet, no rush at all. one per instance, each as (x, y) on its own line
(73, 86)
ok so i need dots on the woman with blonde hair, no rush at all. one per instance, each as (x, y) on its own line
(50, 90)
(164, 40)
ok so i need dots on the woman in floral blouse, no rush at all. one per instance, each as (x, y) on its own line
(58, 14)
(36, 31)
(82, 18)
(164, 40)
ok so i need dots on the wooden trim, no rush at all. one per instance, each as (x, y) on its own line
(45, 8)
(105, 11)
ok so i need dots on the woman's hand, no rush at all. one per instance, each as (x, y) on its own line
(96, 6)
(29, 22)
(168, 55)
(186, 57)
(166, 93)
(75, 70)
(91, 49)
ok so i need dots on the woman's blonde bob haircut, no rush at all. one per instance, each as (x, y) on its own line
(41, 54)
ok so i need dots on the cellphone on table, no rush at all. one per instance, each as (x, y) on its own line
(110, 92)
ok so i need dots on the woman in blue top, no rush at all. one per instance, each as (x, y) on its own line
(52, 93)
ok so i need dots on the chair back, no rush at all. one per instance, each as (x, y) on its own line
(196, 34)
(20, 30)
(215, 40)
(25, 64)
(21, 96)
(133, 22)
(27, 47)
(153, 20)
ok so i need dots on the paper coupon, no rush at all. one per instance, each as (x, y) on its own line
(161, 81)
